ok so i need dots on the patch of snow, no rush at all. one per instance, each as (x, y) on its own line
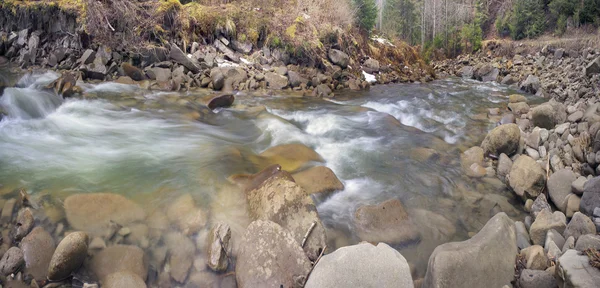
(383, 41)
(369, 77)
(226, 63)
(245, 61)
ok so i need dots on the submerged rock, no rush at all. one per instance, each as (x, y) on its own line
(221, 101)
(282, 201)
(12, 261)
(38, 248)
(317, 180)
(362, 265)
(290, 156)
(502, 139)
(185, 215)
(123, 279)
(24, 224)
(527, 178)
(120, 258)
(181, 252)
(269, 256)
(93, 212)
(491, 253)
(69, 256)
(386, 222)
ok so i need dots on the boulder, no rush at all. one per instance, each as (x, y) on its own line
(559, 187)
(386, 222)
(588, 241)
(531, 84)
(243, 47)
(319, 179)
(535, 257)
(159, 74)
(491, 76)
(466, 72)
(224, 100)
(269, 256)
(279, 199)
(183, 213)
(574, 270)
(218, 247)
(68, 256)
(120, 258)
(579, 225)
(178, 56)
(491, 253)
(339, 58)
(593, 67)
(545, 221)
(93, 212)
(371, 66)
(519, 107)
(217, 78)
(38, 247)
(537, 279)
(591, 196)
(527, 178)
(515, 98)
(322, 90)
(548, 115)
(24, 225)
(181, 251)
(502, 139)
(12, 261)
(296, 80)
(362, 265)
(471, 156)
(123, 279)
(276, 81)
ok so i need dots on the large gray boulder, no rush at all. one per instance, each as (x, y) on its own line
(362, 265)
(502, 139)
(486, 260)
(120, 258)
(178, 56)
(593, 67)
(339, 58)
(537, 279)
(549, 114)
(276, 81)
(559, 187)
(279, 199)
(580, 225)
(386, 222)
(531, 84)
(591, 196)
(527, 178)
(38, 247)
(588, 241)
(269, 256)
(574, 270)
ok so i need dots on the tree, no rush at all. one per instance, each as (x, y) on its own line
(366, 14)
(400, 18)
(528, 19)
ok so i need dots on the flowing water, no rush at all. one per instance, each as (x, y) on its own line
(153, 146)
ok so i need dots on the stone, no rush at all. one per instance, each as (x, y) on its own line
(371, 66)
(12, 261)
(502, 139)
(535, 257)
(519, 107)
(523, 240)
(224, 100)
(577, 186)
(296, 80)
(87, 57)
(573, 202)
(579, 225)
(276, 81)
(159, 74)
(531, 84)
(24, 224)
(120, 258)
(68, 256)
(317, 180)
(537, 279)
(178, 56)
(466, 72)
(533, 139)
(7, 211)
(473, 155)
(386, 222)
(549, 115)
(38, 247)
(593, 67)
(508, 80)
(574, 270)
(243, 47)
(553, 252)
(123, 279)
(555, 237)
(515, 98)
(291, 157)
(218, 247)
(339, 58)
(569, 244)
(588, 241)
(575, 117)
(277, 198)
(133, 72)
(185, 215)
(93, 212)
(322, 90)
(591, 196)
(559, 187)
(491, 253)
(534, 154)
(269, 256)
(526, 177)
(181, 251)
(504, 166)
(545, 221)
(362, 265)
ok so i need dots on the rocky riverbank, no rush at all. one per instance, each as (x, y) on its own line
(548, 155)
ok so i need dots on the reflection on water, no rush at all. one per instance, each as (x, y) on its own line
(153, 146)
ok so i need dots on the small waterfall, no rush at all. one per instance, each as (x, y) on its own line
(27, 100)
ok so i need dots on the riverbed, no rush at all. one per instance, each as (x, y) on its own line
(154, 146)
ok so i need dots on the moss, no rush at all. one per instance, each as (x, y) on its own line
(169, 5)
(290, 32)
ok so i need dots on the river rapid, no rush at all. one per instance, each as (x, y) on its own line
(153, 146)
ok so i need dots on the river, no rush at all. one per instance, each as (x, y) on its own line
(152, 146)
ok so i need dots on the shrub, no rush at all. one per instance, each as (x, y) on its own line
(366, 14)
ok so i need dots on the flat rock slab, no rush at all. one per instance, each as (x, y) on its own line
(574, 270)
